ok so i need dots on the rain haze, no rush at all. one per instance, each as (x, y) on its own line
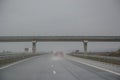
(60, 18)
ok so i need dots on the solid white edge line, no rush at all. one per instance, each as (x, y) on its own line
(97, 67)
(11, 64)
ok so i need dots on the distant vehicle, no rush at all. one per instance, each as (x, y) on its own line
(59, 54)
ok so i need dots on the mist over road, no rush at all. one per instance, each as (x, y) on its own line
(50, 67)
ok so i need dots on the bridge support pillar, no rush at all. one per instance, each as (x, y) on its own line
(85, 46)
(34, 46)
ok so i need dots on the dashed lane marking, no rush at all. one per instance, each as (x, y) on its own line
(54, 72)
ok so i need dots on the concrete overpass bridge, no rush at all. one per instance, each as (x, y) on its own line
(35, 39)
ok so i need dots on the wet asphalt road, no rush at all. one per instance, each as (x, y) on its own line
(48, 67)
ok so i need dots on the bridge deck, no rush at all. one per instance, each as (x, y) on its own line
(58, 38)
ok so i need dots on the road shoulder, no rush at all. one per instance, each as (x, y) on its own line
(115, 69)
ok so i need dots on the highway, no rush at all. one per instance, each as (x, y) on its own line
(50, 67)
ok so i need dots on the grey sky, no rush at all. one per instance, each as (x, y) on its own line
(59, 17)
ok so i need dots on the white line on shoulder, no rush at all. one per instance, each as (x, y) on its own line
(98, 67)
(9, 65)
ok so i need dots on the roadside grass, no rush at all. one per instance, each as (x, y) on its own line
(106, 60)
(17, 58)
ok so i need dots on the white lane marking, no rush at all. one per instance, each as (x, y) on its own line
(98, 67)
(54, 72)
(11, 64)
(52, 65)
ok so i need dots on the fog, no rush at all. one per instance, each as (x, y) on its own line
(60, 18)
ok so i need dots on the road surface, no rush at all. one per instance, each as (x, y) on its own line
(49, 67)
